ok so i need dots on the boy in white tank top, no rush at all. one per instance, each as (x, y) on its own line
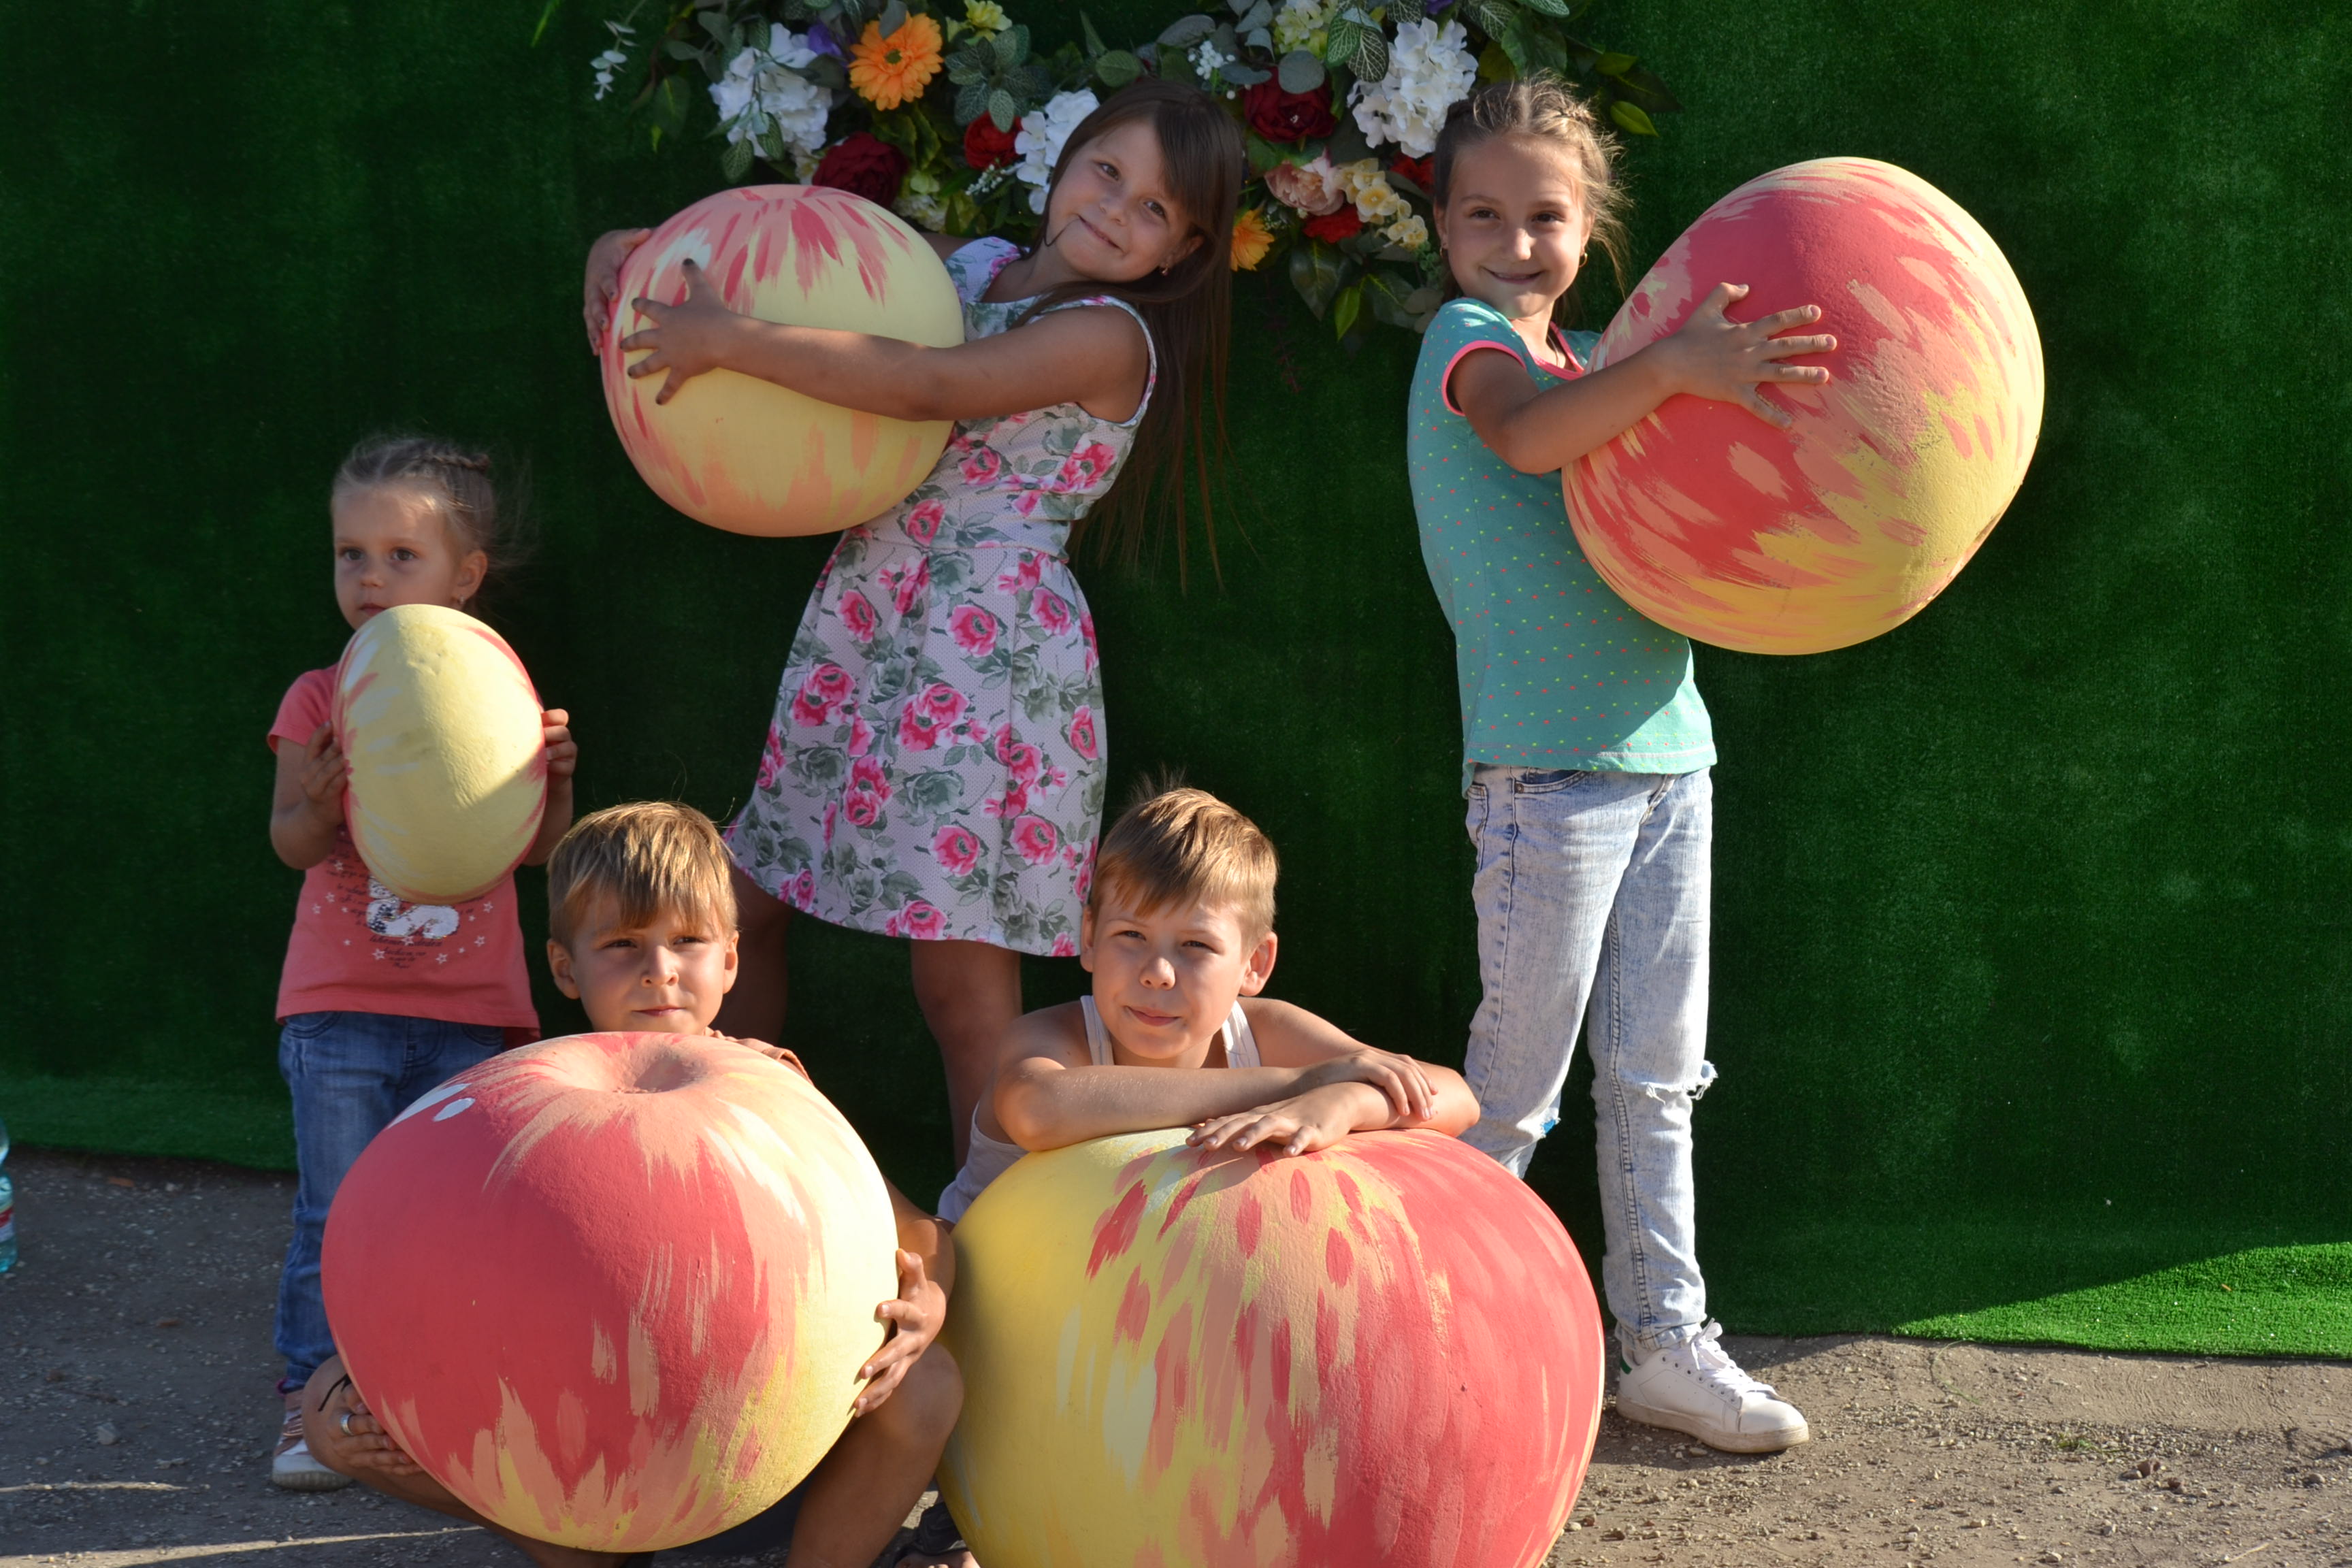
(1178, 932)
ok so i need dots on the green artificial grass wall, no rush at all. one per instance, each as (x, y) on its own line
(2031, 981)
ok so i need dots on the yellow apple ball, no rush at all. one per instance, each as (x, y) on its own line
(448, 765)
(749, 455)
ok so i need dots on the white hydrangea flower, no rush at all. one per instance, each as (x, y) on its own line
(1429, 71)
(1303, 25)
(1409, 231)
(608, 64)
(763, 92)
(1039, 141)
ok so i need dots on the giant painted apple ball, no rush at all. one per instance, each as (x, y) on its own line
(613, 1291)
(749, 455)
(1705, 518)
(1385, 1352)
(448, 765)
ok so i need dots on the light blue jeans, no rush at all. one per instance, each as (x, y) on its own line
(351, 1073)
(1592, 891)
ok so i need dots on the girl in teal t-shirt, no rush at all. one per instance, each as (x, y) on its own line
(1586, 748)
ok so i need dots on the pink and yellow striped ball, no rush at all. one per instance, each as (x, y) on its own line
(1712, 523)
(1386, 1353)
(613, 1291)
(746, 454)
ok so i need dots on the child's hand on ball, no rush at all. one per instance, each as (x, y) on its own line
(1300, 1125)
(686, 338)
(356, 1440)
(914, 1316)
(325, 771)
(1722, 360)
(562, 751)
(604, 259)
(1400, 1079)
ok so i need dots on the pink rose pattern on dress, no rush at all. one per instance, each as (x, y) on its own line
(935, 767)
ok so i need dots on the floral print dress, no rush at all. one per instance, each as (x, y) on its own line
(935, 766)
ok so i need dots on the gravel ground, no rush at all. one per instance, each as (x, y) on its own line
(136, 1419)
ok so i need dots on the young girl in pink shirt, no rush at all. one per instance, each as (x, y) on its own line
(379, 998)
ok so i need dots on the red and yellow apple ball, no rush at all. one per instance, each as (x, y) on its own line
(613, 1291)
(749, 455)
(1708, 520)
(1384, 1352)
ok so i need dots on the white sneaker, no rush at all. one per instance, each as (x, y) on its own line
(1697, 1388)
(293, 1466)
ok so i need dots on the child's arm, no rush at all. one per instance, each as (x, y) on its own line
(305, 807)
(562, 761)
(926, 1274)
(1323, 1112)
(1094, 358)
(1045, 1099)
(1537, 429)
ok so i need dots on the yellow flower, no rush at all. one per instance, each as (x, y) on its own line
(1252, 240)
(887, 72)
(1409, 232)
(986, 16)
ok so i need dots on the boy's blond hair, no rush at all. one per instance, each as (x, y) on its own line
(648, 857)
(1182, 846)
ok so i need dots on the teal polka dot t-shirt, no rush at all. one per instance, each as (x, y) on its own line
(1557, 671)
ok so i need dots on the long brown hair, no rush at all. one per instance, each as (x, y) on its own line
(1186, 309)
(1541, 106)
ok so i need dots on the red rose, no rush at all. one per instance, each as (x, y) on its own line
(866, 166)
(1280, 116)
(1420, 170)
(1333, 228)
(984, 146)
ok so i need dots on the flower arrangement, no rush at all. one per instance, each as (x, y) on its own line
(947, 112)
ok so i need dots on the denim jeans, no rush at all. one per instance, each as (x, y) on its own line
(351, 1073)
(1592, 891)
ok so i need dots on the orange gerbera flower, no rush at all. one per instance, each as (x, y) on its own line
(887, 72)
(1252, 240)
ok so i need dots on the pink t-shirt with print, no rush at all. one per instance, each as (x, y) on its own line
(358, 947)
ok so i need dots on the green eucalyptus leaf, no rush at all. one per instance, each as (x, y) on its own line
(1301, 72)
(1316, 271)
(1260, 14)
(1242, 76)
(1185, 31)
(1633, 118)
(1347, 308)
(1645, 87)
(893, 16)
(1259, 39)
(1116, 67)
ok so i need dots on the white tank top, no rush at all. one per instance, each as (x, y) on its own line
(991, 1157)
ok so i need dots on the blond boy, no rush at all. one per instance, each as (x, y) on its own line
(642, 918)
(1178, 933)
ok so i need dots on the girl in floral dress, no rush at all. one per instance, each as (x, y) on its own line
(935, 769)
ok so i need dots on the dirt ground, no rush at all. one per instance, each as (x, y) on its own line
(136, 1418)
